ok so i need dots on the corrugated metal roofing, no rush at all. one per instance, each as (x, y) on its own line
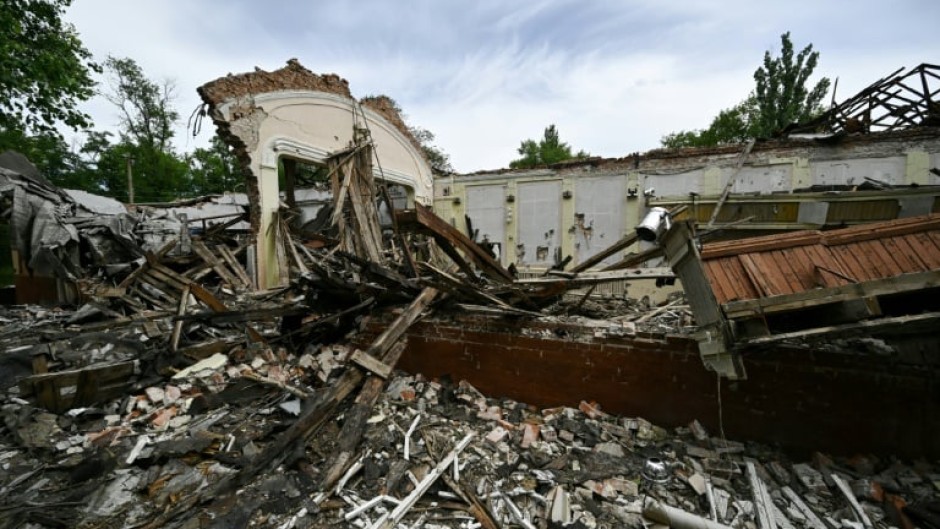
(795, 262)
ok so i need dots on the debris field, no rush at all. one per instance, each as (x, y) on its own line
(177, 395)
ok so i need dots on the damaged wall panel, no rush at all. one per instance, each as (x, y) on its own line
(486, 207)
(539, 222)
(599, 219)
(783, 184)
(297, 114)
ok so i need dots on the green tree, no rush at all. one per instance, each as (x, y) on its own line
(45, 71)
(437, 158)
(46, 150)
(781, 94)
(147, 113)
(85, 174)
(146, 133)
(780, 98)
(550, 149)
(214, 170)
(732, 125)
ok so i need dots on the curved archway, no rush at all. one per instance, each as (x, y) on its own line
(308, 126)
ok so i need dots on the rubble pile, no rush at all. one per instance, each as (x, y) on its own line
(434, 453)
(178, 395)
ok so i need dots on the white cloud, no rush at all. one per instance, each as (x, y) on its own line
(614, 76)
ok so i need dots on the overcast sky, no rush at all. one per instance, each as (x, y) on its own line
(482, 75)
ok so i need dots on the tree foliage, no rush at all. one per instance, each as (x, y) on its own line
(145, 144)
(143, 147)
(731, 125)
(780, 97)
(46, 150)
(781, 94)
(45, 71)
(550, 149)
(214, 169)
(147, 113)
(437, 158)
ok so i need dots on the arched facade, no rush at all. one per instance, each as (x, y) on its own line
(309, 126)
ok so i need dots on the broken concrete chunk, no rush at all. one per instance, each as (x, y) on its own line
(291, 406)
(155, 394)
(559, 506)
(698, 484)
(530, 434)
(698, 431)
(203, 367)
(810, 478)
(497, 434)
(611, 448)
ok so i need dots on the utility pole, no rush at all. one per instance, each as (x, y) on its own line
(130, 178)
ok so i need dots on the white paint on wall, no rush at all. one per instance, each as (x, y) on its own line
(539, 222)
(599, 219)
(852, 172)
(486, 207)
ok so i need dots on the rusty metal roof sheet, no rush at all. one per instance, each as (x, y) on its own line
(800, 261)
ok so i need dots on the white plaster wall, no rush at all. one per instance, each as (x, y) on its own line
(932, 178)
(311, 126)
(848, 172)
(674, 185)
(601, 201)
(486, 207)
(763, 179)
(539, 221)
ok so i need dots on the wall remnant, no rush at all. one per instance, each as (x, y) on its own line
(295, 114)
(783, 185)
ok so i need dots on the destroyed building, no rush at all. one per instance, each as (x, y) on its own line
(371, 347)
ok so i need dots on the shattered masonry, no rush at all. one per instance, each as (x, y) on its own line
(178, 394)
(294, 114)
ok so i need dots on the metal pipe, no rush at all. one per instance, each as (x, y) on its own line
(677, 518)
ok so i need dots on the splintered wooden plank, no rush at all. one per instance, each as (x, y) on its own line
(87, 382)
(141, 293)
(634, 259)
(156, 265)
(629, 240)
(207, 349)
(215, 304)
(170, 283)
(822, 296)
(369, 232)
(371, 363)
(132, 277)
(742, 285)
(387, 347)
(233, 263)
(178, 325)
(203, 252)
(756, 275)
(155, 288)
(445, 235)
